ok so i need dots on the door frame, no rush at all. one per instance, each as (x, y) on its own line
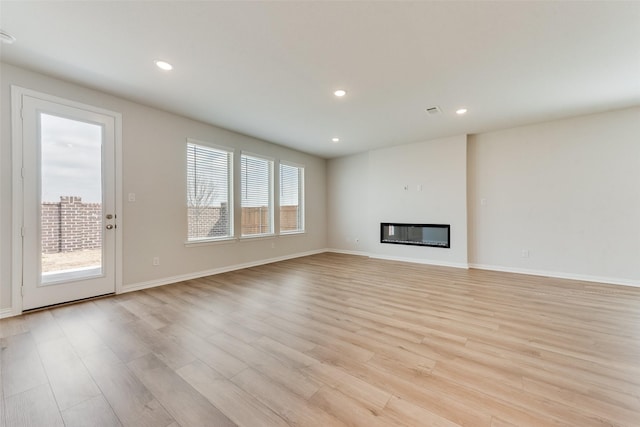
(17, 163)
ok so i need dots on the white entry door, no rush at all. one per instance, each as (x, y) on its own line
(69, 210)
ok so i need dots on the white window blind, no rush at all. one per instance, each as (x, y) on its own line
(209, 205)
(257, 205)
(291, 198)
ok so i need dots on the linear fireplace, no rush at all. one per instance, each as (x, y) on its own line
(436, 235)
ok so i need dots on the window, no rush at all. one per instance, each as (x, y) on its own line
(291, 198)
(257, 196)
(209, 194)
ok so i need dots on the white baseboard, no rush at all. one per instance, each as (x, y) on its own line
(570, 276)
(347, 252)
(225, 269)
(7, 312)
(401, 259)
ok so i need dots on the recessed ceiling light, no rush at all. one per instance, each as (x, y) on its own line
(6, 37)
(335, 139)
(340, 93)
(163, 65)
(461, 111)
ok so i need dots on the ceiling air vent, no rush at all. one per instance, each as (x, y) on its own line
(434, 111)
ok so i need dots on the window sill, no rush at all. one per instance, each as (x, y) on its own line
(227, 240)
(210, 242)
(257, 237)
(293, 233)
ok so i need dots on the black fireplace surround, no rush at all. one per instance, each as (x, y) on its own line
(435, 235)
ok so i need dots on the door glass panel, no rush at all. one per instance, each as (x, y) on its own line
(71, 199)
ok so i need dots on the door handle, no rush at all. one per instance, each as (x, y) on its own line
(109, 226)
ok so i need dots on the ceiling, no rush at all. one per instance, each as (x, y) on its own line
(269, 69)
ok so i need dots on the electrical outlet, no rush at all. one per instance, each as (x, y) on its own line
(156, 261)
(525, 253)
(132, 197)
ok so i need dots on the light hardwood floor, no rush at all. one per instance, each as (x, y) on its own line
(332, 340)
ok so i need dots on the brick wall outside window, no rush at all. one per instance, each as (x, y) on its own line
(70, 225)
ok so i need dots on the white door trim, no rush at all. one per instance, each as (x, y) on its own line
(17, 94)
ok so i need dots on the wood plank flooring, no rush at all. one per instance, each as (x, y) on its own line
(331, 340)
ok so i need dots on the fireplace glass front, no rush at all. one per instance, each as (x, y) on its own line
(435, 235)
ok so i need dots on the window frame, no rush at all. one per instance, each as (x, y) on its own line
(301, 197)
(230, 152)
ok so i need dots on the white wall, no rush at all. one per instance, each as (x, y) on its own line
(154, 169)
(367, 189)
(567, 191)
(347, 203)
